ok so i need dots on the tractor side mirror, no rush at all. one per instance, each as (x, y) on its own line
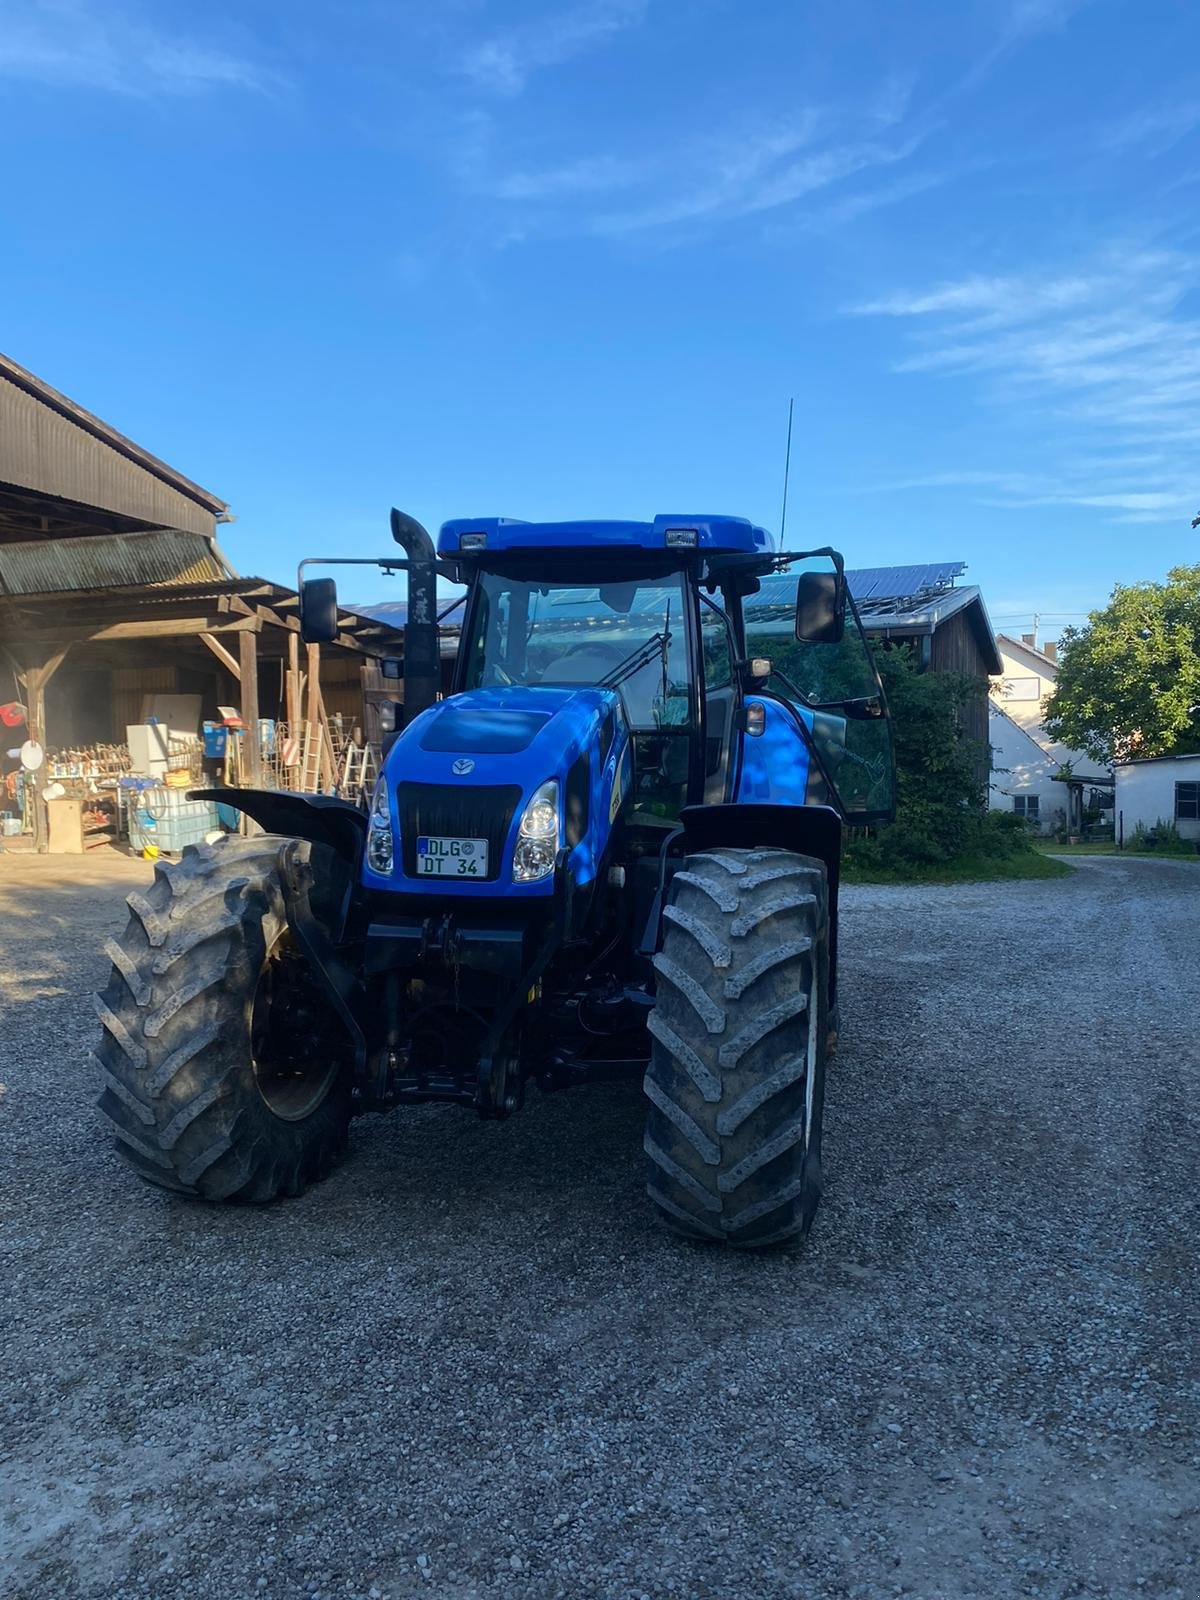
(391, 668)
(318, 611)
(820, 607)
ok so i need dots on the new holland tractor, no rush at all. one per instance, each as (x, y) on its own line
(611, 850)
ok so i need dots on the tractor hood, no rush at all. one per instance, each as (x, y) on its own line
(466, 769)
(533, 733)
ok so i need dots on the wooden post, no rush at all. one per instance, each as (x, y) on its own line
(316, 715)
(248, 653)
(313, 661)
(372, 682)
(292, 689)
(292, 685)
(34, 681)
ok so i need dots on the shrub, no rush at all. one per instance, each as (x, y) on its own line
(1165, 835)
(941, 815)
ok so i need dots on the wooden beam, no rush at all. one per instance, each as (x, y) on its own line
(248, 653)
(277, 619)
(150, 628)
(96, 609)
(230, 664)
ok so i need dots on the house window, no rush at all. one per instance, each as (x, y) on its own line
(1187, 802)
(1026, 805)
(1021, 689)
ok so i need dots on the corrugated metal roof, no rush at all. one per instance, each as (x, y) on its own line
(163, 557)
(35, 436)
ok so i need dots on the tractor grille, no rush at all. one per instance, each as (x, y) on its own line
(456, 811)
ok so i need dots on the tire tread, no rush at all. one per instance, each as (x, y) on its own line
(745, 945)
(175, 1071)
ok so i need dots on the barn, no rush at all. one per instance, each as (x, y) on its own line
(946, 624)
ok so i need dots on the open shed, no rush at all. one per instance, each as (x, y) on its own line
(117, 603)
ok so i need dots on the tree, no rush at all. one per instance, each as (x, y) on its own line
(1129, 681)
(941, 815)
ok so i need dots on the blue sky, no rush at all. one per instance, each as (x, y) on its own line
(498, 256)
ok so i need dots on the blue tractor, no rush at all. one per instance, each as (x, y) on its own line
(611, 850)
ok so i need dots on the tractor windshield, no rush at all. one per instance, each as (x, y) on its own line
(629, 636)
(625, 636)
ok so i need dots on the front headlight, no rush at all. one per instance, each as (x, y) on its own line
(379, 831)
(537, 836)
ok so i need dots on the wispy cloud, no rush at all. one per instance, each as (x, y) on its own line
(1021, 22)
(986, 301)
(744, 175)
(505, 62)
(1027, 18)
(1109, 356)
(742, 170)
(72, 44)
(1156, 129)
(888, 194)
(858, 157)
(590, 175)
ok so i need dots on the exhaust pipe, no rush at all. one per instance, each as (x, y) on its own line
(422, 654)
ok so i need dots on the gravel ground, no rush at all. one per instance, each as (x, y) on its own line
(469, 1364)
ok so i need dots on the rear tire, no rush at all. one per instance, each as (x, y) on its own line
(202, 1096)
(737, 1070)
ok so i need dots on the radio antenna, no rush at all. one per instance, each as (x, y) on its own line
(787, 467)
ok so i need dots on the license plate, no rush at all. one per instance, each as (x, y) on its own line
(451, 858)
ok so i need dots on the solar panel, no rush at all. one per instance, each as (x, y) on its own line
(879, 583)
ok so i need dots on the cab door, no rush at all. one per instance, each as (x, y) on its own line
(834, 688)
(721, 700)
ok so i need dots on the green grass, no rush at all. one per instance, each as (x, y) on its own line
(1106, 847)
(978, 869)
(1097, 847)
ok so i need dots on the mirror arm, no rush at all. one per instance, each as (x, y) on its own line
(858, 708)
(792, 689)
(780, 558)
(388, 563)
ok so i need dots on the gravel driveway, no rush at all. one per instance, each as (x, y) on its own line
(470, 1365)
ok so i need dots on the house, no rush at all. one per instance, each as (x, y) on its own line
(1158, 789)
(1027, 765)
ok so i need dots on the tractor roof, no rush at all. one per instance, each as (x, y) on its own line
(489, 535)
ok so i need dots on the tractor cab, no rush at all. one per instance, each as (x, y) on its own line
(615, 682)
(711, 641)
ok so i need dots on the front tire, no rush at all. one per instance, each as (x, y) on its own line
(221, 1073)
(737, 1071)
